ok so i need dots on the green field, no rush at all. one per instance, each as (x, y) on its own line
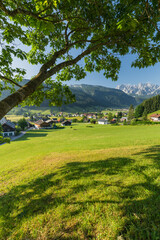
(15, 118)
(81, 182)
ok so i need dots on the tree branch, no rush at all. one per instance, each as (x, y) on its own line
(60, 66)
(66, 35)
(25, 12)
(13, 13)
(9, 80)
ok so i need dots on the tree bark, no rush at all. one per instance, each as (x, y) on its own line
(20, 95)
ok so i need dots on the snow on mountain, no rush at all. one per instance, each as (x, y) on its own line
(142, 89)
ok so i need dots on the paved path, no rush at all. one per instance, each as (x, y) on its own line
(19, 136)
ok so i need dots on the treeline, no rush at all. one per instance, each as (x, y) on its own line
(148, 106)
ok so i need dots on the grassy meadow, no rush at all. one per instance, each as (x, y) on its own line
(81, 182)
(15, 118)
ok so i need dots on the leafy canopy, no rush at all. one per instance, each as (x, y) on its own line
(59, 33)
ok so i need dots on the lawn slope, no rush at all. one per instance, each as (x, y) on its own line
(84, 182)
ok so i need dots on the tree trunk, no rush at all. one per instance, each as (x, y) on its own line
(20, 95)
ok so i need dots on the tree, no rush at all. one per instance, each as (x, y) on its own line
(139, 111)
(119, 114)
(124, 122)
(74, 120)
(22, 123)
(110, 116)
(59, 33)
(131, 113)
(144, 117)
(93, 121)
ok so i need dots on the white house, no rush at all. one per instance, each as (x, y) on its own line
(103, 121)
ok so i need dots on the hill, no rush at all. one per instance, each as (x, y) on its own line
(148, 106)
(94, 97)
(89, 95)
(97, 97)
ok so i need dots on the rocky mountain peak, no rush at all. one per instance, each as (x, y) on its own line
(141, 89)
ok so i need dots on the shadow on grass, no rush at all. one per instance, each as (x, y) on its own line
(62, 188)
(30, 135)
(37, 133)
(144, 213)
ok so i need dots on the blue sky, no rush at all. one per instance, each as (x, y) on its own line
(127, 74)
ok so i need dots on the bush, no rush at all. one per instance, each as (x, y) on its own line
(93, 121)
(74, 120)
(134, 121)
(115, 124)
(125, 122)
(18, 130)
(4, 140)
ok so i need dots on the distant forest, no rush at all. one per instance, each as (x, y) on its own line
(148, 106)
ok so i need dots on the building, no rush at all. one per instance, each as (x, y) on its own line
(155, 117)
(42, 124)
(114, 120)
(124, 119)
(8, 129)
(66, 123)
(50, 121)
(3, 120)
(103, 121)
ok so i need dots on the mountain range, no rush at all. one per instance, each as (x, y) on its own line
(100, 97)
(94, 97)
(91, 96)
(142, 89)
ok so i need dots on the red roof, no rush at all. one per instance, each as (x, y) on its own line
(155, 115)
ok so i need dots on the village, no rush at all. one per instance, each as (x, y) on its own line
(11, 129)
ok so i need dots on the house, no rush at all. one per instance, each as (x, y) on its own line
(42, 124)
(50, 121)
(124, 119)
(114, 120)
(3, 120)
(8, 129)
(54, 119)
(155, 117)
(66, 123)
(103, 121)
(90, 116)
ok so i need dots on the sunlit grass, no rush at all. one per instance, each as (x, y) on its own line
(15, 118)
(99, 182)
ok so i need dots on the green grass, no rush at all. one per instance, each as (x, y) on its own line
(84, 182)
(114, 111)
